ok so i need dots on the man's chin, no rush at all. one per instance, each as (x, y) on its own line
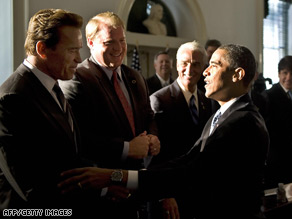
(114, 64)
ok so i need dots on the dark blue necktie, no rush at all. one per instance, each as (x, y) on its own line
(215, 121)
(193, 109)
(216, 118)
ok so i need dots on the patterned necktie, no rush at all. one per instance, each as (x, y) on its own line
(64, 104)
(124, 101)
(215, 121)
(193, 109)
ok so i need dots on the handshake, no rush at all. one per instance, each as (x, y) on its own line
(94, 178)
(144, 145)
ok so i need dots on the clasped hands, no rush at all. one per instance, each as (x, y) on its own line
(144, 145)
(93, 178)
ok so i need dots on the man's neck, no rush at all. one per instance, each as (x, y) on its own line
(165, 77)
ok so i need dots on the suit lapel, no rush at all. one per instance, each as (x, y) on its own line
(47, 105)
(157, 83)
(239, 104)
(104, 82)
(177, 94)
(206, 133)
(179, 101)
(131, 85)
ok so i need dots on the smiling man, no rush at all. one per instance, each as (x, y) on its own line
(162, 77)
(279, 122)
(224, 169)
(36, 134)
(184, 106)
(112, 107)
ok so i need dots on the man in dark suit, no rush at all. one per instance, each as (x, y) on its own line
(224, 169)
(163, 64)
(112, 137)
(37, 130)
(279, 122)
(171, 106)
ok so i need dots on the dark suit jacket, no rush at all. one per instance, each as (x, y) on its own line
(37, 139)
(103, 123)
(176, 130)
(226, 177)
(260, 101)
(279, 125)
(154, 84)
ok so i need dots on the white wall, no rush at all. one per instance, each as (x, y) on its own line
(235, 21)
(230, 21)
(6, 41)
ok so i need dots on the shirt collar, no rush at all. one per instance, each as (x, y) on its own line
(109, 72)
(162, 81)
(284, 88)
(228, 104)
(187, 94)
(45, 79)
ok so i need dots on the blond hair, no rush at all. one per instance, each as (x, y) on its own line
(108, 18)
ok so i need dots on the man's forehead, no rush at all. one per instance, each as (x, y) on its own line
(218, 56)
(188, 55)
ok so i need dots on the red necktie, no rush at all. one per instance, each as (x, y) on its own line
(124, 101)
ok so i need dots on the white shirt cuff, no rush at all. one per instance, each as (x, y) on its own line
(132, 182)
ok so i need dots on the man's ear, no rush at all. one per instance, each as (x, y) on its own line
(41, 49)
(89, 43)
(238, 75)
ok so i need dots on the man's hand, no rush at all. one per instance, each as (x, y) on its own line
(154, 146)
(170, 209)
(139, 146)
(88, 178)
(117, 194)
